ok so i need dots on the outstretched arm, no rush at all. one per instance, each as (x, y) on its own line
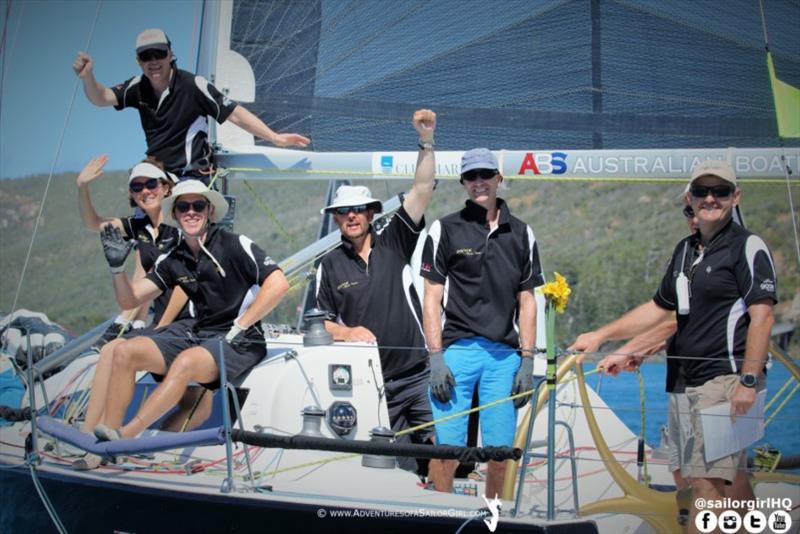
(415, 204)
(97, 93)
(91, 220)
(629, 356)
(245, 120)
(635, 322)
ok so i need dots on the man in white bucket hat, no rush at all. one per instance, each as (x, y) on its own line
(230, 280)
(366, 283)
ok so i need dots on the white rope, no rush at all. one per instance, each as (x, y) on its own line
(53, 165)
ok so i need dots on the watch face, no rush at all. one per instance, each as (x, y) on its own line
(748, 380)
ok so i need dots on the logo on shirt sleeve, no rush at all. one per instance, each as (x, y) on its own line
(768, 285)
(268, 261)
(426, 267)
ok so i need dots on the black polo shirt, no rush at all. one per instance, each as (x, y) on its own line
(483, 272)
(734, 271)
(221, 282)
(176, 127)
(380, 295)
(150, 247)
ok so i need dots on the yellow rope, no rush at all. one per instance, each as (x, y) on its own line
(778, 393)
(782, 404)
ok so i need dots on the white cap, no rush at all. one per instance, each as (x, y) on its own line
(146, 169)
(153, 38)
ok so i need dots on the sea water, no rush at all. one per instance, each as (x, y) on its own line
(621, 393)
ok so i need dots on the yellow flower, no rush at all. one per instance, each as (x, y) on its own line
(557, 292)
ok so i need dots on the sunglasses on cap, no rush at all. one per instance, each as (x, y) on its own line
(182, 206)
(138, 187)
(152, 54)
(717, 191)
(344, 210)
(688, 212)
(474, 174)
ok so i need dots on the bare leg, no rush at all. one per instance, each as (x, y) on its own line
(443, 481)
(494, 479)
(99, 389)
(193, 408)
(195, 364)
(741, 490)
(708, 489)
(130, 356)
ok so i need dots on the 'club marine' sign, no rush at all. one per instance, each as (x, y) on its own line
(652, 164)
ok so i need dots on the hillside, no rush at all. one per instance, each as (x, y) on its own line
(611, 241)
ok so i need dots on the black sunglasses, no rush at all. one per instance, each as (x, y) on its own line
(152, 54)
(688, 212)
(474, 174)
(197, 206)
(717, 191)
(344, 210)
(138, 187)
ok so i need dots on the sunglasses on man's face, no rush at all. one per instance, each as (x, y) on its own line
(717, 191)
(198, 206)
(688, 212)
(344, 210)
(138, 187)
(474, 174)
(152, 54)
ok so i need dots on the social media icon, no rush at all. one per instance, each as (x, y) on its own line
(754, 521)
(729, 521)
(705, 521)
(779, 521)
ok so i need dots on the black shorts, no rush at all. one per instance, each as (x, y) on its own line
(408, 403)
(181, 335)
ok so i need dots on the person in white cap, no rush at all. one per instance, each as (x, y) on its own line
(366, 283)
(233, 285)
(173, 106)
(148, 186)
(481, 265)
(721, 282)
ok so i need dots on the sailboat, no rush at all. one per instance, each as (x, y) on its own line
(347, 73)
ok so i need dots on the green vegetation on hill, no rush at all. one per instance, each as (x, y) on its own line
(612, 241)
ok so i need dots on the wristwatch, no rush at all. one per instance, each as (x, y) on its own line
(748, 380)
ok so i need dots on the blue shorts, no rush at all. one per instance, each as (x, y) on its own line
(491, 365)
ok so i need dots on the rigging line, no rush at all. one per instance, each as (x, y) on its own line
(792, 211)
(3, 50)
(53, 165)
(271, 214)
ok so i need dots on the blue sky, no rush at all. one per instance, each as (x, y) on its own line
(42, 40)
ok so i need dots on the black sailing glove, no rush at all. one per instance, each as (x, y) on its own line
(115, 248)
(441, 377)
(523, 381)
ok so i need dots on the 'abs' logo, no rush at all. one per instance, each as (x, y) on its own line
(553, 163)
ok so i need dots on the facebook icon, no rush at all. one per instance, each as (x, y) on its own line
(705, 521)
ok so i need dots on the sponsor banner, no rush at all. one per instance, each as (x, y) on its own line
(554, 164)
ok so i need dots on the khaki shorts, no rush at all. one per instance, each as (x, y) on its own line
(711, 393)
(679, 431)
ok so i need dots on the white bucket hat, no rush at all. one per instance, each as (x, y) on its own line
(146, 169)
(196, 187)
(353, 195)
